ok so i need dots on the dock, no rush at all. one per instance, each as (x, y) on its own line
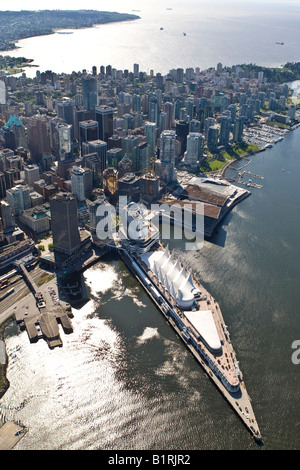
(10, 435)
(43, 314)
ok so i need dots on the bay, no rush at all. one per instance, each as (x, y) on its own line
(230, 32)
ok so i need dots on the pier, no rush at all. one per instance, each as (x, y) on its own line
(43, 313)
(10, 434)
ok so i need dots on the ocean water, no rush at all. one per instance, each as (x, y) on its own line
(228, 31)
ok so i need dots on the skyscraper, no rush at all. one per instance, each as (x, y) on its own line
(238, 129)
(168, 146)
(82, 182)
(104, 115)
(194, 151)
(19, 198)
(64, 141)
(98, 147)
(90, 93)
(150, 133)
(88, 130)
(225, 129)
(38, 138)
(65, 233)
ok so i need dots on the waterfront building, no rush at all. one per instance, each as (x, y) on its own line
(238, 129)
(212, 138)
(225, 129)
(64, 224)
(208, 122)
(137, 232)
(182, 131)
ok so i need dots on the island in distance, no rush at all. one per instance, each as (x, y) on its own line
(15, 25)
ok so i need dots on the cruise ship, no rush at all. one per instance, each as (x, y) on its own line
(188, 307)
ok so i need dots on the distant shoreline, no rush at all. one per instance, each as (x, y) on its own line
(29, 24)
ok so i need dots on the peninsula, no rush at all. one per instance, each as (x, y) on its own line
(15, 25)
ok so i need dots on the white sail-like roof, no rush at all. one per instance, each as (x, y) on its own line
(203, 322)
(172, 275)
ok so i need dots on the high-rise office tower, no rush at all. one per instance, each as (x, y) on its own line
(136, 70)
(64, 141)
(65, 111)
(104, 115)
(38, 138)
(182, 130)
(19, 198)
(128, 144)
(64, 224)
(7, 217)
(194, 150)
(2, 186)
(90, 93)
(88, 130)
(168, 146)
(81, 182)
(98, 147)
(31, 174)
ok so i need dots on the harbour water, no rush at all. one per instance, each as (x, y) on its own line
(230, 32)
(124, 380)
